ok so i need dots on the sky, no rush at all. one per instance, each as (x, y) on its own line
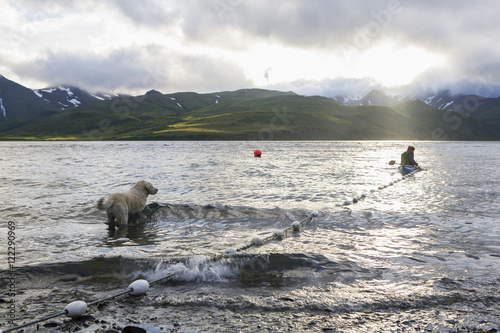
(311, 47)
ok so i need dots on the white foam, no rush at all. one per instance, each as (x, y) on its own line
(198, 268)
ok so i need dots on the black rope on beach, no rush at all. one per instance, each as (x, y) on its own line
(65, 312)
(110, 297)
(163, 279)
(68, 311)
(34, 322)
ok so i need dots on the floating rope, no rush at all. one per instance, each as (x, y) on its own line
(356, 199)
(140, 287)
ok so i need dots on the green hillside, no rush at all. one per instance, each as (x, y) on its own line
(488, 112)
(247, 114)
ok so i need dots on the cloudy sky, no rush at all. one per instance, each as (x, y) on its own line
(312, 47)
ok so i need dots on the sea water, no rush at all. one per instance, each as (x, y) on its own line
(412, 254)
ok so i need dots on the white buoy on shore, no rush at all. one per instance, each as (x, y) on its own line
(314, 213)
(278, 234)
(257, 241)
(139, 287)
(296, 225)
(347, 202)
(75, 309)
(230, 250)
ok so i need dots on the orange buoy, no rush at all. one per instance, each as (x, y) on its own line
(257, 153)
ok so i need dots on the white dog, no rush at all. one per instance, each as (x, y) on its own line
(119, 206)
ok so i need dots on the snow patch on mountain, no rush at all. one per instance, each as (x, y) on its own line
(68, 90)
(2, 109)
(98, 97)
(68, 97)
(74, 101)
(448, 104)
(50, 91)
(443, 100)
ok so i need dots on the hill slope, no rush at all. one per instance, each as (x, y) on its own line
(247, 114)
(18, 102)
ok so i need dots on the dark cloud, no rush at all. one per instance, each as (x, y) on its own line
(293, 22)
(148, 12)
(136, 70)
(463, 33)
(118, 70)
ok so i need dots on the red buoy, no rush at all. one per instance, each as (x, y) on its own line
(257, 153)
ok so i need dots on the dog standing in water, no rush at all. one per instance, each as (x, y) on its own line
(119, 206)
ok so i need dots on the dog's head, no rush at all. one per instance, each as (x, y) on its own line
(147, 186)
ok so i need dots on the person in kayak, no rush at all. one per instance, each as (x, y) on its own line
(407, 157)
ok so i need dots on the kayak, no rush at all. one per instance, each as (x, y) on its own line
(407, 168)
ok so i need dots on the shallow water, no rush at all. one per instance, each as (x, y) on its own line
(422, 254)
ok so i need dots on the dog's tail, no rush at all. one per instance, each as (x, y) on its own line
(104, 205)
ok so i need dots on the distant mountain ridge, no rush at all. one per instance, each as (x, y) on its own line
(486, 109)
(443, 100)
(18, 102)
(70, 113)
(67, 96)
(246, 114)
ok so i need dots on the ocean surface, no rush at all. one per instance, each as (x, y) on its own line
(375, 252)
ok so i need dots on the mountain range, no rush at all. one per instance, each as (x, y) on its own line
(70, 113)
(18, 102)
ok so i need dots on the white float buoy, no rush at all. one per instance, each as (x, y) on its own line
(380, 187)
(278, 234)
(347, 202)
(314, 213)
(230, 250)
(296, 225)
(355, 199)
(257, 241)
(363, 195)
(139, 287)
(75, 309)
